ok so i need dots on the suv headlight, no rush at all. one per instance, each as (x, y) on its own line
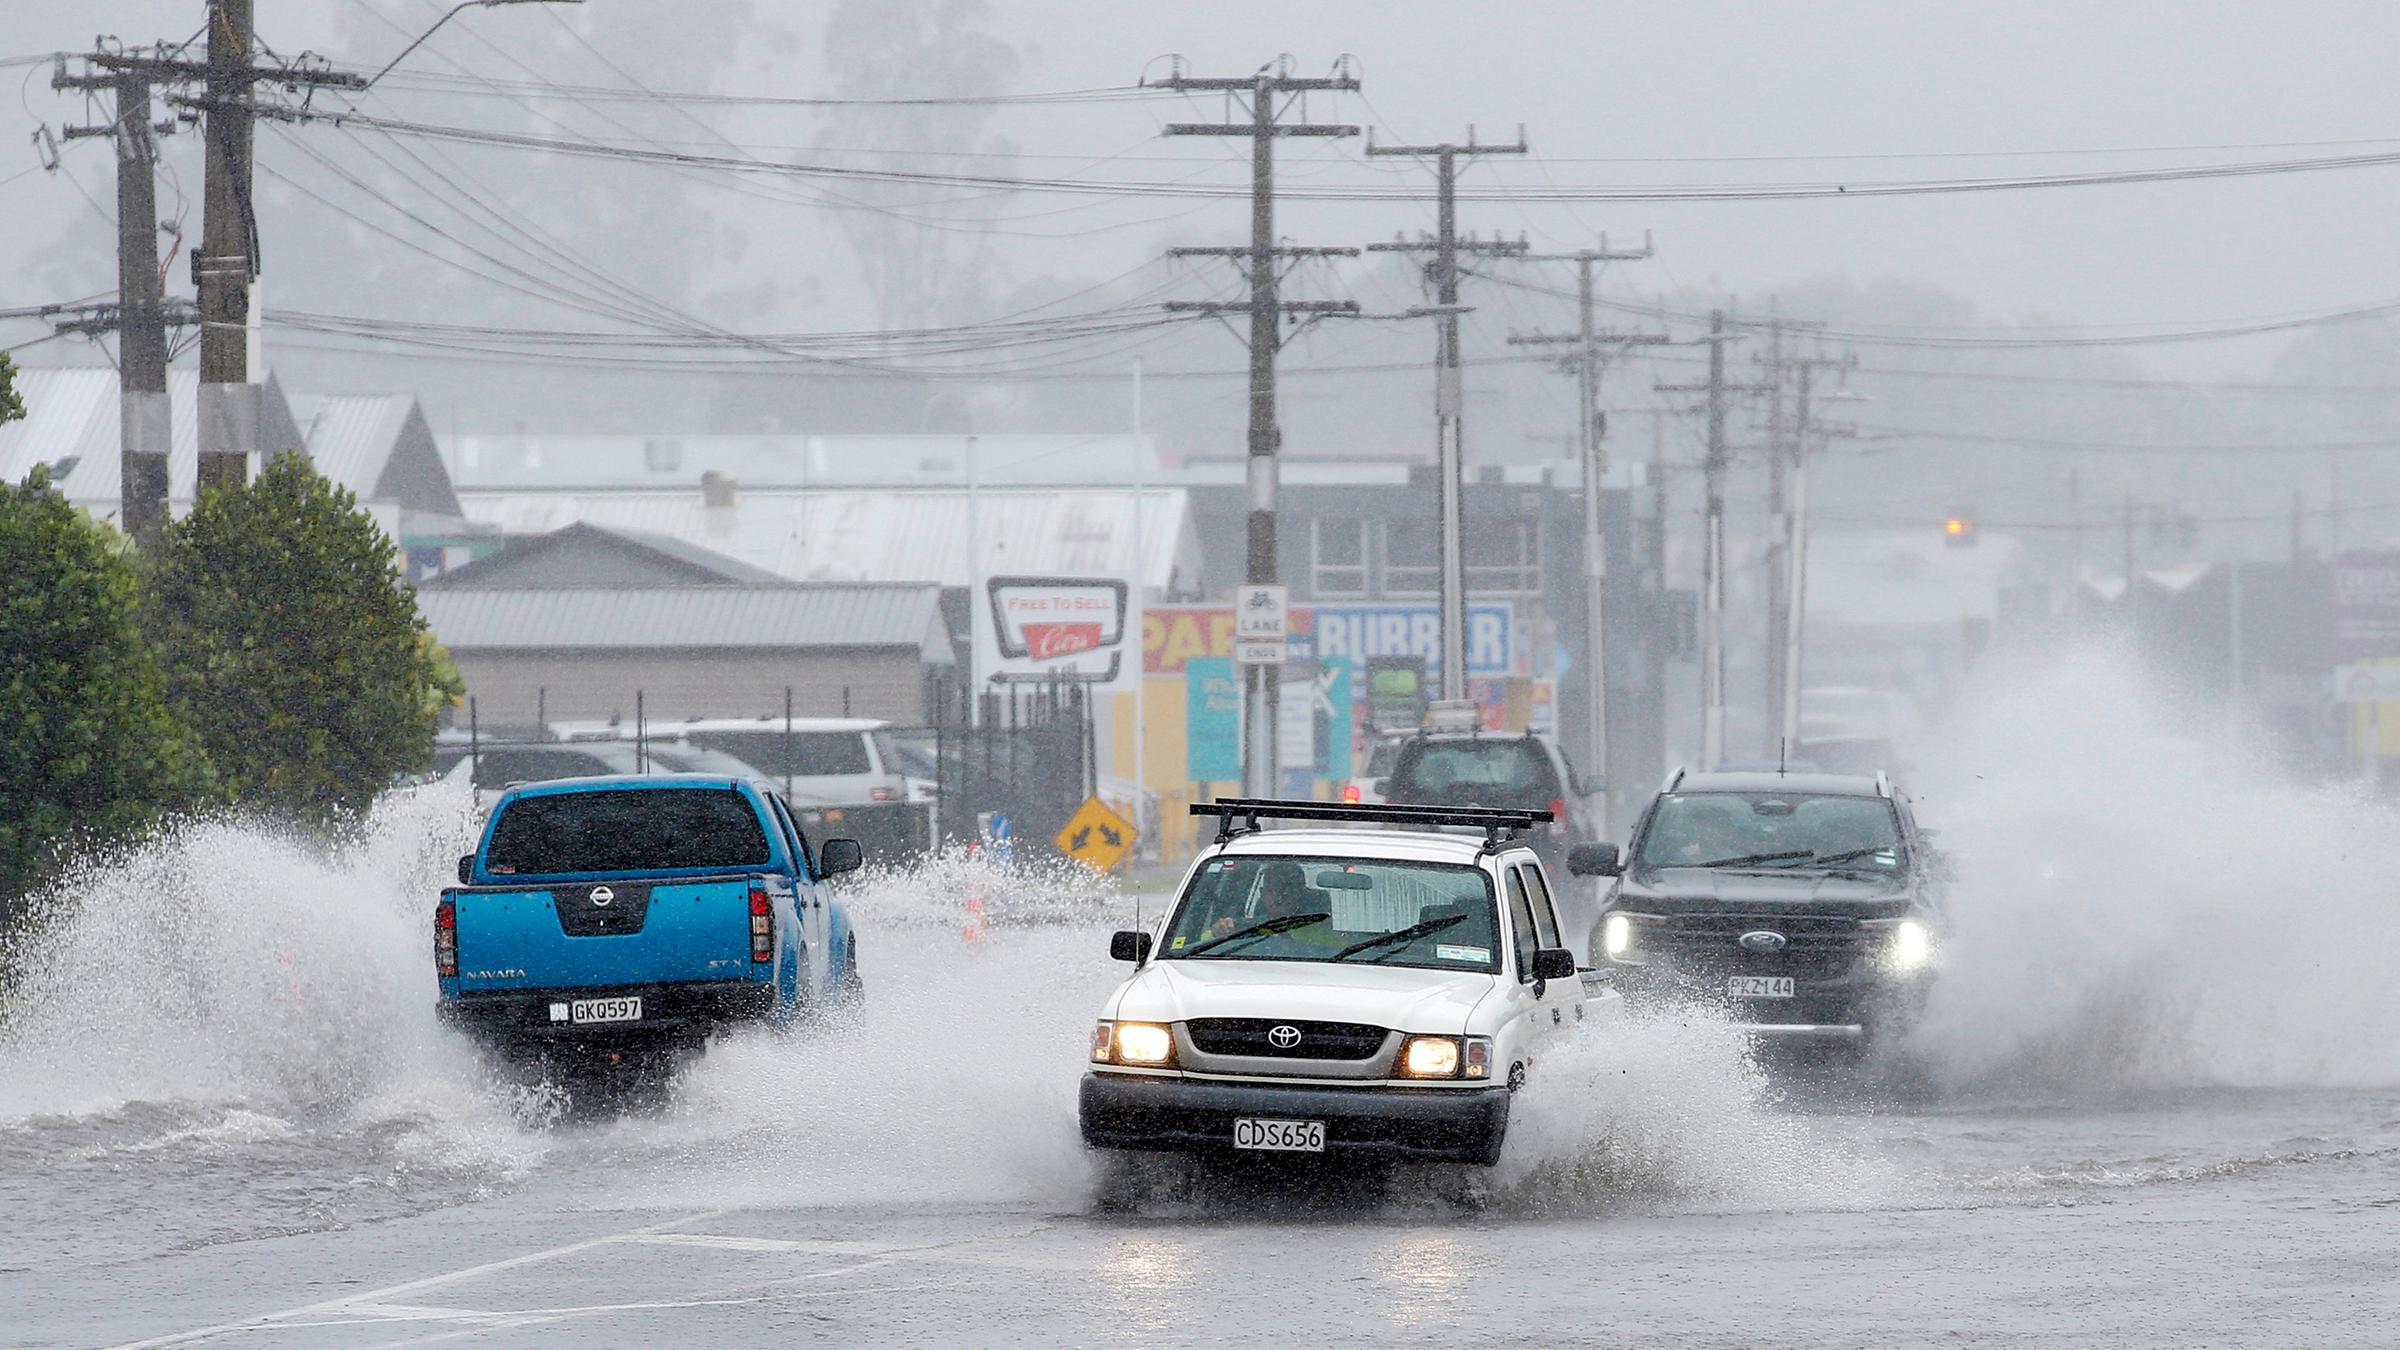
(1445, 1057)
(1148, 1044)
(1621, 939)
(1907, 945)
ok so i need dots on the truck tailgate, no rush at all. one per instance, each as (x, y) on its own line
(590, 935)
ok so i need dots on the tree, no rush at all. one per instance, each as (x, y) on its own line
(89, 749)
(293, 644)
(11, 407)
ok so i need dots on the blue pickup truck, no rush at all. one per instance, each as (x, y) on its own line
(627, 918)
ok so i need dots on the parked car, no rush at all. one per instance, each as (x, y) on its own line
(1807, 905)
(629, 918)
(1378, 992)
(841, 774)
(493, 768)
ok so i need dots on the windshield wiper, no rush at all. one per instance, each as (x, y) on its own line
(1398, 935)
(1263, 928)
(1852, 855)
(1748, 859)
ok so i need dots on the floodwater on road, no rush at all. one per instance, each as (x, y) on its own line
(2168, 1113)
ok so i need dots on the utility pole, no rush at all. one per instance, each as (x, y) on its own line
(1449, 380)
(1271, 91)
(144, 418)
(1712, 557)
(1587, 365)
(1793, 602)
(227, 264)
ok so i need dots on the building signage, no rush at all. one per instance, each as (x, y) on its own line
(1031, 629)
(1172, 635)
(2366, 606)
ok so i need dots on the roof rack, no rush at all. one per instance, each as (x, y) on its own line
(1240, 815)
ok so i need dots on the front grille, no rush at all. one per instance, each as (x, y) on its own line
(1816, 947)
(1256, 1036)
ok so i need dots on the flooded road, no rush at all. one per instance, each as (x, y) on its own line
(2164, 1116)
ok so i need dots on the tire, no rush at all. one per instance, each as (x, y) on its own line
(853, 985)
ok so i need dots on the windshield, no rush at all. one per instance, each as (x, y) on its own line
(811, 754)
(629, 830)
(1495, 772)
(1771, 829)
(910, 755)
(1336, 909)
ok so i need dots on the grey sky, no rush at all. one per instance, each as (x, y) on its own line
(1660, 92)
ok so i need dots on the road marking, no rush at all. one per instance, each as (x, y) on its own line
(264, 1321)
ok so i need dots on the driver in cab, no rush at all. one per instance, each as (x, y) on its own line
(1284, 893)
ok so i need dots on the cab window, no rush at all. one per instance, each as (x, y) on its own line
(1537, 894)
(1522, 935)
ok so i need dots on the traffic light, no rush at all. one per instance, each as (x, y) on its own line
(1958, 530)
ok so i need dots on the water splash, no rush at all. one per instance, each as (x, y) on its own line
(2145, 901)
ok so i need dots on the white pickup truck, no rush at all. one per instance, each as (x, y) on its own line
(1378, 992)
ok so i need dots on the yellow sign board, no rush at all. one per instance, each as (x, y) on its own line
(1096, 836)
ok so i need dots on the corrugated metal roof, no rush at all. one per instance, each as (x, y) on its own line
(917, 534)
(689, 618)
(568, 463)
(351, 437)
(72, 412)
(509, 568)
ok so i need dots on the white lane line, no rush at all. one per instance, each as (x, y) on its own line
(537, 1316)
(263, 1321)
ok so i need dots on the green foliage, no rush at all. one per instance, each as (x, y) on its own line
(89, 751)
(293, 644)
(11, 407)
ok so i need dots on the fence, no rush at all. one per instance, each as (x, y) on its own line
(1024, 757)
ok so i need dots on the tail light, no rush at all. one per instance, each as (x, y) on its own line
(762, 926)
(1558, 815)
(883, 794)
(1350, 793)
(445, 938)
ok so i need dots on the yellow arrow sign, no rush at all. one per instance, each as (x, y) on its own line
(1096, 836)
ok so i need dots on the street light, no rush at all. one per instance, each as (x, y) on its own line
(454, 12)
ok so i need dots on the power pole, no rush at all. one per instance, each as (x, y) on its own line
(227, 264)
(1587, 365)
(1449, 389)
(1786, 505)
(1270, 92)
(144, 418)
(1794, 578)
(1712, 558)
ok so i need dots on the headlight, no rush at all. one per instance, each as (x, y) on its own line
(1144, 1043)
(1446, 1057)
(1616, 935)
(1912, 945)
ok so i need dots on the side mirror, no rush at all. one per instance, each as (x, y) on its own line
(1595, 784)
(1594, 860)
(466, 869)
(1553, 963)
(836, 856)
(1128, 945)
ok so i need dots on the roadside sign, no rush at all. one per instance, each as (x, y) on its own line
(2367, 682)
(1096, 836)
(1262, 617)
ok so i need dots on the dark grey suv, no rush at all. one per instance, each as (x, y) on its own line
(1807, 905)
(1512, 771)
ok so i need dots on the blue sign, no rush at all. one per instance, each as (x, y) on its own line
(1357, 632)
(1212, 720)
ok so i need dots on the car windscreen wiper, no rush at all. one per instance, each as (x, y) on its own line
(1747, 859)
(1398, 936)
(1855, 854)
(1263, 928)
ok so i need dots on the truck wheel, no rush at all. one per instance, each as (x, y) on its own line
(854, 987)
